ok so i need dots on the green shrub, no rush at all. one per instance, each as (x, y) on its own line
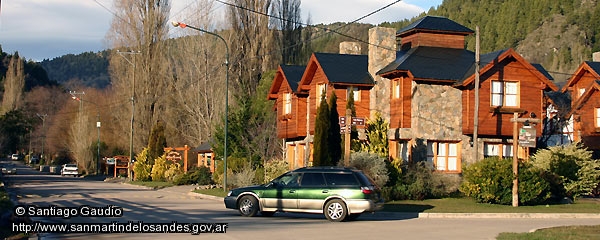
(570, 169)
(244, 177)
(173, 169)
(491, 180)
(274, 168)
(200, 176)
(372, 165)
(142, 167)
(159, 168)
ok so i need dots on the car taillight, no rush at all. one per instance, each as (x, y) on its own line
(367, 190)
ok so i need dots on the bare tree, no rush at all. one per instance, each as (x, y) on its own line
(14, 83)
(140, 25)
(253, 43)
(289, 26)
(197, 90)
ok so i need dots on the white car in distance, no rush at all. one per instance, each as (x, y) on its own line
(69, 169)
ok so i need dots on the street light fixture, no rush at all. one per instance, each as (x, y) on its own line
(183, 25)
(80, 100)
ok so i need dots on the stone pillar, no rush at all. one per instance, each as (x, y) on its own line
(350, 48)
(382, 51)
(596, 57)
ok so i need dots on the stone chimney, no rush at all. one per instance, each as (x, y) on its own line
(596, 57)
(350, 48)
(382, 51)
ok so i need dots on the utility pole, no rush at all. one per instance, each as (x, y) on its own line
(476, 111)
(132, 109)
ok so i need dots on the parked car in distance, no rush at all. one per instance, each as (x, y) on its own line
(14, 157)
(338, 193)
(34, 160)
(9, 169)
(69, 169)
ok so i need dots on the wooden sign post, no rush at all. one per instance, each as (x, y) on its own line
(516, 120)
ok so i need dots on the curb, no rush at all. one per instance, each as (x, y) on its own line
(458, 215)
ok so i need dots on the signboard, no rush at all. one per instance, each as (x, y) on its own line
(527, 137)
(173, 156)
(358, 121)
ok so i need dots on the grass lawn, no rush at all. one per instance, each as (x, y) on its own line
(152, 184)
(556, 233)
(467, 205)
(214, 192)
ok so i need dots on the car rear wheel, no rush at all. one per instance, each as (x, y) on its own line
(248, 206)
(335, 210)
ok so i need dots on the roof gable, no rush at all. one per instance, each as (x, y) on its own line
(595, 87)
(587, 66)
(435, 24)
(490, 60)
(345, 69)
(286, 74)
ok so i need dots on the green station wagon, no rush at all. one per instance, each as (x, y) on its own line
(338, 193)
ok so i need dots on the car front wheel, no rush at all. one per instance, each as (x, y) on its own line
(335, 210)
(248, 206)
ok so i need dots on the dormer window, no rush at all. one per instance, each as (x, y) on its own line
(287, 103)
(396, 89)
(597, 116)
(581, 91)
(321, 91)
(505, 94)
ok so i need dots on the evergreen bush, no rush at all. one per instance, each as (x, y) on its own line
(142, 167)
(490, 181)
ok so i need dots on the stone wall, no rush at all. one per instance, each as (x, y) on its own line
(382, 51)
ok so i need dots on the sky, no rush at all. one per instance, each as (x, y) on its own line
(45, 29)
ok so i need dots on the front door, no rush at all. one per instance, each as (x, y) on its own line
(282, 193)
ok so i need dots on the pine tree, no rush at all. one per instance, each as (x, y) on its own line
(157, 142)
(335, 137)
(321, 155)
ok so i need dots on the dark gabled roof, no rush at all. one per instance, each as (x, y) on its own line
(433, 23)
(433, 63)
(541, 68)
(594, 66)
(204, 147)
(293, 74)
(345, 68)
(562, 100)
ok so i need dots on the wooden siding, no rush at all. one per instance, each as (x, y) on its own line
(292, 125)
(585, 120)
(496, 121)
(423, 39)
(400, 108)
(583, 82)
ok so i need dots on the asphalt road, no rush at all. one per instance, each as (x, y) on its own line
(176, 204)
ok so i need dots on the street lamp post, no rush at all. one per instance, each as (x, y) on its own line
(80, 100)
(43, 117)
(132, 109)
(183, 25)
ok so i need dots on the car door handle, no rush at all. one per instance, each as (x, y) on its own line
(292, 191)
(325, 191)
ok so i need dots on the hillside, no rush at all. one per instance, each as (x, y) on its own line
(89, 69)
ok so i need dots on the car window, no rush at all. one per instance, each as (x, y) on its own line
(312, 179)
(341, 179)
(289, 180)
(365, 180)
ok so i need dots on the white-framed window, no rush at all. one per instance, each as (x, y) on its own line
(505, 94)
(443, 155)
(396, 89)
(321, 90)
(501, 150)
(597, 116)
(356, 94)
(287, 103)
(403, 150)
(581, 91)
